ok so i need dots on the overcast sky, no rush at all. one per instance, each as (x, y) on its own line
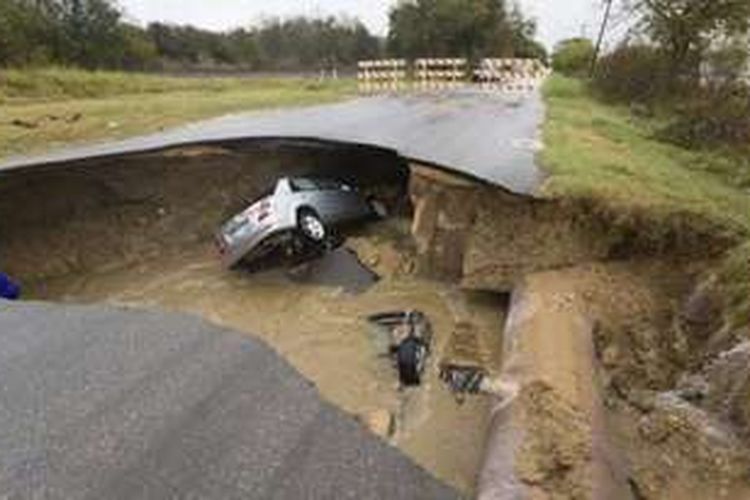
(557, 19)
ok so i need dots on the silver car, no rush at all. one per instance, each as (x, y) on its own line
(297, 211)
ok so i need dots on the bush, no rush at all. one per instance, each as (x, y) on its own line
(632, 74)
(712, 115)
(573, 57)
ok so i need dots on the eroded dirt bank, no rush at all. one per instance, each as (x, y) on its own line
(675, 378)
(629, 386)
(632, 383)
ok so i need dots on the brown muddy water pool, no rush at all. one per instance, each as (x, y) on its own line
(315, 317)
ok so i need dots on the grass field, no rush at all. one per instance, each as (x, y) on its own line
(602, 153)
(605, 156)
(43, 109)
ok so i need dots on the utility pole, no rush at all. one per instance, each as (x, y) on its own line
(599, 41)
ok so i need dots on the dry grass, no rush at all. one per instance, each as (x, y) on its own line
(43, 109)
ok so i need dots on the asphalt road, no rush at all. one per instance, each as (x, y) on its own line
(490, 136)
(98, 402)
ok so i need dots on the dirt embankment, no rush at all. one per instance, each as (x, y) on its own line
(676, 378)
(627, 385)
(487, 238)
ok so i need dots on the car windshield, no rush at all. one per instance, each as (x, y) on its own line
(328, 184)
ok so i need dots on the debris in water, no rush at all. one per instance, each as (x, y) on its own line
(409, 337)
(463, 379)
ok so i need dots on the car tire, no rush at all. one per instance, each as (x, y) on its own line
(311, 226)
(410, 358)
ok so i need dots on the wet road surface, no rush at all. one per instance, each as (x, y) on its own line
(491, 136)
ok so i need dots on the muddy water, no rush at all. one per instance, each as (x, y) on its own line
(315, 318)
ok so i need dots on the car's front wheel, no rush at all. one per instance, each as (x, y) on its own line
(311, 226)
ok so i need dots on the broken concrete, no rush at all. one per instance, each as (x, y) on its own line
(549, 437)
(487, 238)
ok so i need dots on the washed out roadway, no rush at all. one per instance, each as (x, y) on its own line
(98, 402)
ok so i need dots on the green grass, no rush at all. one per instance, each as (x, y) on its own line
(48, 108)
(603, 155)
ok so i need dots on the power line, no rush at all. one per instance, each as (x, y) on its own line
(599, 41)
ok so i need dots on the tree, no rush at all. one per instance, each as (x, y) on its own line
(91, 31)
(91, 34)
(573, 56)
(27, 33)
(139, 52)
(523, 31)
(684, 29)
(460, 28)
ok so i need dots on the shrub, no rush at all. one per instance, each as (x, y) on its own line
(573, 57)
(713, 115)
(632, 74)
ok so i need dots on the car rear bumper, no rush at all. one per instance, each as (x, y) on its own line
(259, 243)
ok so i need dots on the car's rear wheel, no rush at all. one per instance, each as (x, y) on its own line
(311, 226)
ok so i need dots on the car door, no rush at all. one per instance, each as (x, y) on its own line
(353, 206)
(328, 203)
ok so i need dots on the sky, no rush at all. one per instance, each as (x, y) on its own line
(557, 19)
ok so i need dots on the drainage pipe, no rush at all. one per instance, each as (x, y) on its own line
(548, 436)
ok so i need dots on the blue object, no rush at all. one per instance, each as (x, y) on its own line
(8, 289)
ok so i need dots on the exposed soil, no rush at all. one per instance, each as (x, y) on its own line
(675, 383)
(676, 443)
(315, 317)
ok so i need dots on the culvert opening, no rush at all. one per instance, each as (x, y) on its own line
(138, 230)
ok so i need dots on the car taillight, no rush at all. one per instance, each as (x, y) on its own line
(263, 211)
(263, 216)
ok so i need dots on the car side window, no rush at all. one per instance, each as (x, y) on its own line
(303, 185)
(327, 185)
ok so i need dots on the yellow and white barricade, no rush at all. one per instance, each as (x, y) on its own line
(382, 75)
(439, 74)
(510, 75)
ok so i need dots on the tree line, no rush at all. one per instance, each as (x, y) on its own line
(468, 28)
(95, 34)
